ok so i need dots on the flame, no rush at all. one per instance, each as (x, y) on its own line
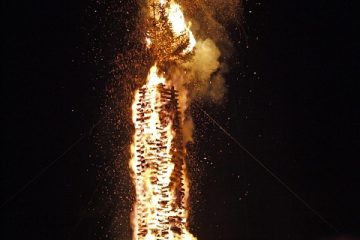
(158, 153)
(169, 31)
(176, 18)
(148, 42)
(157, 164)
(179, 25)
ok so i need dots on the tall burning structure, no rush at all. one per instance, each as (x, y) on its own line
(159, 168)
(158, 152)
(179, 67)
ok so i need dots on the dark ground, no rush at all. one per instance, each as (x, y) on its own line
(293, 102)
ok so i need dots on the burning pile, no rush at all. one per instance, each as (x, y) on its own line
(181, 69)
(158, 152)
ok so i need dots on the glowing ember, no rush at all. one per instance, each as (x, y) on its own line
(158, 152)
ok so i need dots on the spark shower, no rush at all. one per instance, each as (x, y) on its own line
(183, 64)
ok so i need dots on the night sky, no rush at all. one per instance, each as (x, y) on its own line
(292, 101)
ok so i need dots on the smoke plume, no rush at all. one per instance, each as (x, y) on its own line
(204, 77)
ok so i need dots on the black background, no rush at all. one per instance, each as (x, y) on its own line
(292, 101)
